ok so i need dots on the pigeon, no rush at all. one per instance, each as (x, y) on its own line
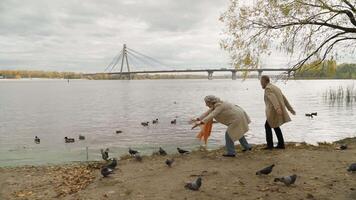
(287, 180)
(265, 171)
(145, 123)
(132, 152)
(314, 113)
(118, 131)
(112, 164)
(182, 151)
(352, 167)
(343, 147)
(195, 185)
(138, 157)
(68, 140)
(105, 154)
(162, 152)
(174, 121)
(105, 171)
(155, 121)
(37, 140)
(169, 162)
(81, 137)
(309, 115)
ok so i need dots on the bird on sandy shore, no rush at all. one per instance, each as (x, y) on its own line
(162, 152)
(105, 171)
(145, 123)
(68, 140)
(287, 180)
(138, 157)
(132, 152)
(182, 151)
(314, 113)
(105, 154)
(81, 137)
(174, 121)
(169, 162)
(195, 185)
(155, 121)
(37, 140)
(112, 164)
(352, 168)
(265, 171)
(118, 131)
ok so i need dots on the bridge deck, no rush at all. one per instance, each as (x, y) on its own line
(194, 70)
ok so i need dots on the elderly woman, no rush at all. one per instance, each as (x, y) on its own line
(233, 116)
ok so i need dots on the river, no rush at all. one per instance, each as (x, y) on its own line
(53, 109)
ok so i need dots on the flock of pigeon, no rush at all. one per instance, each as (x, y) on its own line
(111, 164)
(155, 121)
(287, 180)
(66, 139)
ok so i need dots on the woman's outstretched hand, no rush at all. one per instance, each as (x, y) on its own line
(197, 123)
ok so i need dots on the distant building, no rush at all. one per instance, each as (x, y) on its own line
(2, 77)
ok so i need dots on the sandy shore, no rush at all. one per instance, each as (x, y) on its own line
(321, 174)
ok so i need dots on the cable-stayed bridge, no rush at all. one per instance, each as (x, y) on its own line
(123, 63)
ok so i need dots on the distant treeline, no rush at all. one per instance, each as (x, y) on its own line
(327, 69)
(17, 74)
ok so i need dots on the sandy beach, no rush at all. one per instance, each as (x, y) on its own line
(321, 174)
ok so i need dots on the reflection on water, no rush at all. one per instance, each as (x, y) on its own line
(53, 109)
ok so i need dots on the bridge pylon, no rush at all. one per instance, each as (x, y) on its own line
(124, 57)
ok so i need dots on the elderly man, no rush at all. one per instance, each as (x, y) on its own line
(276, 112)
(230, 115)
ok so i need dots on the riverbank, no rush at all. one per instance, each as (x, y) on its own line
(321, 174)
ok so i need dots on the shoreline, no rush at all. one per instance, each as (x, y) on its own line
(321, 174)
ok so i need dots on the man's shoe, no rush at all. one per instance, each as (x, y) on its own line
(229, 155)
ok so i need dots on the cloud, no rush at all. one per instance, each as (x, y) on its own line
(78, 35)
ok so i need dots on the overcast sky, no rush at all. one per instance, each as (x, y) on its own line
(85, 35)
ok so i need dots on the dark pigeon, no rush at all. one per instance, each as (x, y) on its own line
(352, 168)
(68, 140)
(37, 140)
(105, 154)
(118, 131)
(105, 171)
(182, 151)
(287, 180)
(81, 137)
(169, 162)
(132, 152)
(265, 171)
(314, 113)
(309, 115)
(195, 185)
(145, 123)
(112, 164)
(174, 121)
(343, 147)
(155, 121)
(162, 152)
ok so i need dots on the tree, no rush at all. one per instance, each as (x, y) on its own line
(305, 29)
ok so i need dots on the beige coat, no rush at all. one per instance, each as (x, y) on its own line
(230, 115)
(274, 99)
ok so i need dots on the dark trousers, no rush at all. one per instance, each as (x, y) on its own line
(269, 137)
